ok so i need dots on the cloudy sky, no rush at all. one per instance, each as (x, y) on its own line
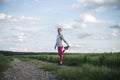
(88, 25)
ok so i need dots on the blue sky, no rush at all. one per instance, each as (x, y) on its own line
(88, 25)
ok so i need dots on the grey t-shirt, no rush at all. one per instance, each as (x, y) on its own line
(59, 40)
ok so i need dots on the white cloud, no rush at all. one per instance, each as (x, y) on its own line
(15, 0)
(100, 9)
(68, 25)
(6, 0)
(87, 18)
(102, 36)
(36, 0)
(21, 37)
(2, 16)
(20, 49)
(12, 49)
(90, 19)
(97, 5)
(84, 35)
(24, 34)
(28, 29)
(84, 48)
(3, 39)
(115, 30)
(18, 19)
(83, 21)
(96, 35)
(77, 45)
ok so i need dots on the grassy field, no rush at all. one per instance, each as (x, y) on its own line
(4, 63)
(81, 66)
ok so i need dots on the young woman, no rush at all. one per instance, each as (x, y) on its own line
(59, 45)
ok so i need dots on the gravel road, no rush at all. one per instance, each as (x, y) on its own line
(21, 70)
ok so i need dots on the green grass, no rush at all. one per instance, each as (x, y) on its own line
(109, 60)
(80, 66)
(85, 72)
(88, 72)
(4, 63)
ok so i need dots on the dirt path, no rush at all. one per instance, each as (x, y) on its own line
(21, 70)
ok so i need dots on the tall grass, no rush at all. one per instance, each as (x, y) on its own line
(88, 72)
(110, 60)
(84, 72)
(4, 63)
(81, 66)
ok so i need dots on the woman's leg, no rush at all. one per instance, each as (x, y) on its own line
(61, 52)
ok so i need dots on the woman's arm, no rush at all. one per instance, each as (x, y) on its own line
(55, 45)
(64, 40)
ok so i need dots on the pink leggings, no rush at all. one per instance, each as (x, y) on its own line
(61, 52)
